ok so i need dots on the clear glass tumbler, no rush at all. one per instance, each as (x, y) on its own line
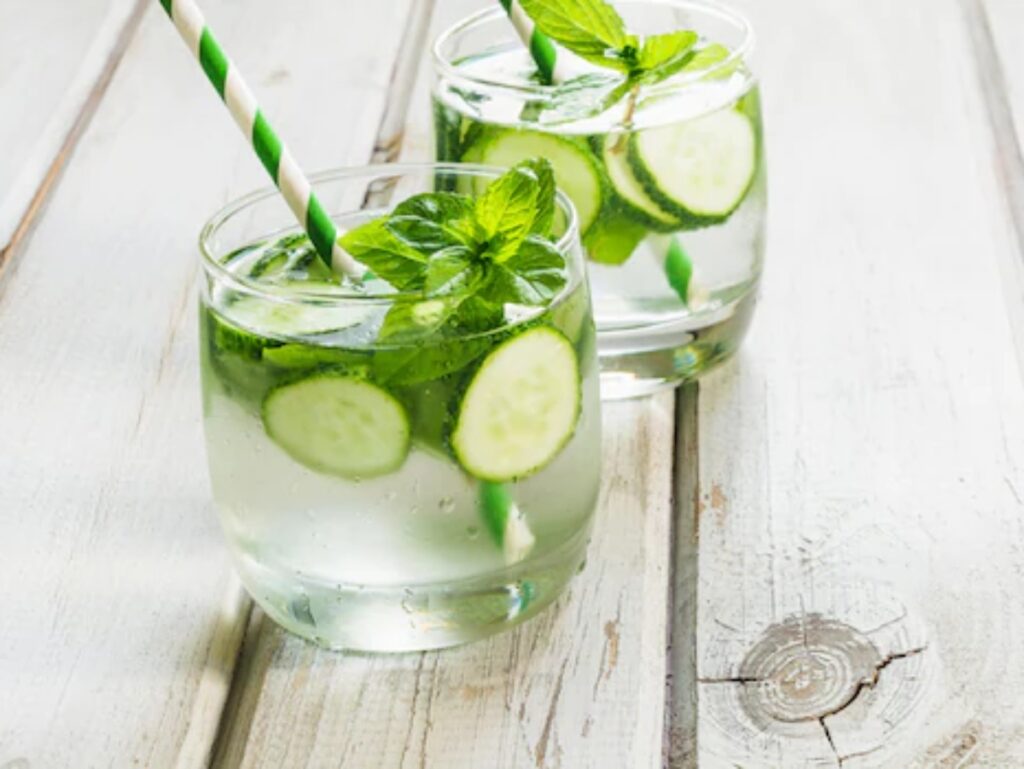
(669, 181)
(350, 518)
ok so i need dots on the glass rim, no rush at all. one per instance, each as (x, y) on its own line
(296, 294)
(444, 67)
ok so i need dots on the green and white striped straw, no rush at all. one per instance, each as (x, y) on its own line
(542, 49)
(551, 63)
(273, 154)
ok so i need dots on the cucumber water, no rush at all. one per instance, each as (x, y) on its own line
(681, 176)
(395, 496)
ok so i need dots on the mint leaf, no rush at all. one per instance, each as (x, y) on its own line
(533, 276)
(451, 271)
(592, 29)
(450, 209)
(387, 255)
(476, 315)
(506, 211)
(424, 235)
(710, 56)
(421, 363)
(411, 321)
(661, 56)
(544, 214)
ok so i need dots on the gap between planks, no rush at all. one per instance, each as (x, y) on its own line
(681, 692)
(36, 200)
(235, 720)
(1007, 155)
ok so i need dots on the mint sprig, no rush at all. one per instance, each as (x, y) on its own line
(593, 30)
(463, 258)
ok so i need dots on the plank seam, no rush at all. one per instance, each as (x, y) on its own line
(685, 500)
(1008, 157)
(992, 79)
(411, 46)
(90, 105)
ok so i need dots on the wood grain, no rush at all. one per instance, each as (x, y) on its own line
(861, 589)
(55, 59)
(119, 618)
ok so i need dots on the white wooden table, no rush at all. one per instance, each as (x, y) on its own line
(815, 558)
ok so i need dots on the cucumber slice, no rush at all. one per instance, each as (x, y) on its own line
(577, 171)
(292, 319)
(634, 200)
(520, 408)
(701, 169)
(339, 425)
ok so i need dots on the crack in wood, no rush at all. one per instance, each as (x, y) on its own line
(829, 740)
(545, 735)
(872, 681)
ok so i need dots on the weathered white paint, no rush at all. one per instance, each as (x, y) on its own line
(119, 619)
(863, 459)
(53, 58)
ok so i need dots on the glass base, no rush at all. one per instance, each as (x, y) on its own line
(643, 360)
(416, 617)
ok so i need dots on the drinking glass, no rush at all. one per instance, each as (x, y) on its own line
(334, 459)
(669, 182)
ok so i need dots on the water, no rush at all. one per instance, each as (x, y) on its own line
(650, 334)
(396, 562)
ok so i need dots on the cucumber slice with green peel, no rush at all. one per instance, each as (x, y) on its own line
(340, 425)
(520, 408)
(700, 169)
(633, 198)
(577, 171)
(293, 319)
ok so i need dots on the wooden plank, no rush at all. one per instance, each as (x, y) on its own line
(861, 591)
(119, 621)
(54, 60)
(581, 685)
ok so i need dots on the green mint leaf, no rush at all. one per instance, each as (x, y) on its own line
(710, 56)
(450, 209)
(388, 256)
(544, 215)
(414, 364)
(452, 271)
(412, 321)
(592, 29)
(476, 315)
(426, 236)
(659, 50)
(506, 211)
(533, 276)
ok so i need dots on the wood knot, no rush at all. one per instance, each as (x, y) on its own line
(806, 668)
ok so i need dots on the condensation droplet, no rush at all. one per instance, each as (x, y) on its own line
(447, 505)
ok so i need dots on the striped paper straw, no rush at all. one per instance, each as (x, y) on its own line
(273, 154)
(544, 53)
(551, 65)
